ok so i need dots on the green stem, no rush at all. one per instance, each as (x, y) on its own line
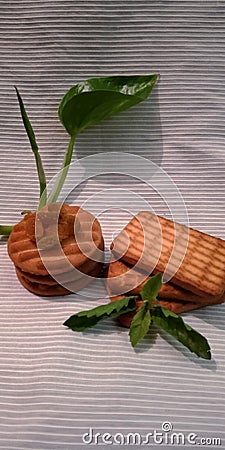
(5, 230)
(56, 191)
(34, 146)
(43, 200)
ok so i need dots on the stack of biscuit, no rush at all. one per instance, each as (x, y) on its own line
(56, 250)
(191, 261)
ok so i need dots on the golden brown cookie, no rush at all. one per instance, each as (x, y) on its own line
(66, 277)
(46, 290)
(121, 279)
(44, 245)
(173, 297)
(197, 260)
(24, 252)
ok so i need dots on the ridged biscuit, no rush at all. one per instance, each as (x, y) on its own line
(197, 263)
(64, 277)
(25, 255)
(130, 284)
(56, 290)
(58, 247)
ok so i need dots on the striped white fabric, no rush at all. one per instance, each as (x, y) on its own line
(56, 385)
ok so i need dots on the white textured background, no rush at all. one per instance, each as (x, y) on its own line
(55, 384)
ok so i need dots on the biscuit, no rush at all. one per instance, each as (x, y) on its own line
(196, 262)
(59, 249)
(25, 255)
(65, 277)
(46, 290)
(129, 283)
(173, 297)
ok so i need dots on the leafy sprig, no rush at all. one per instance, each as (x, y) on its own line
(149, 312)
(90, 102)
(84, 105)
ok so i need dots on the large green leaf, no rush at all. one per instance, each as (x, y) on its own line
(89, 318)
(96, 99)
(174, 325)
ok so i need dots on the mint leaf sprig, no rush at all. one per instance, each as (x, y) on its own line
(86, 104)
(150, 312)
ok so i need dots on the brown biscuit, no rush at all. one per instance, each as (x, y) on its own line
(25, 255)
(66, 277)
(180, 306)
(173, 297)
(56, 290)
(195, 260)
(121, 279)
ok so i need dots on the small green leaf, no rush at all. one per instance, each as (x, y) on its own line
(140, 324)
(96, 99)
(34, 146)
(174, 325)
(151, 289)
(89, 318)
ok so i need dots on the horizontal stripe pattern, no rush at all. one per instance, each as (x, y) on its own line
(56, 384)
